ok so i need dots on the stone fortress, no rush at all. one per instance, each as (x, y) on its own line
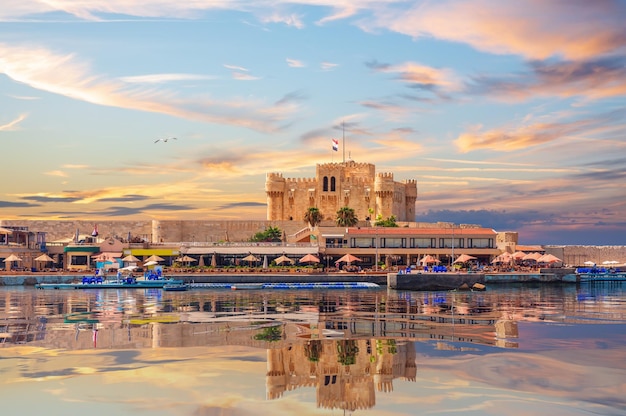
(337, 185)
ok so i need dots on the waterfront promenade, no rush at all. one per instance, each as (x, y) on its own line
(394, 280)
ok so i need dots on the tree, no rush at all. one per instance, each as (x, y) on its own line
(346, 217)
(313, 217)
(271, 234)
(389, 222)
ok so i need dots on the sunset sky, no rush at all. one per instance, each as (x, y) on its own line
(511, 114)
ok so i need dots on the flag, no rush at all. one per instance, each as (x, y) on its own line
(94, 233)
(335, 145)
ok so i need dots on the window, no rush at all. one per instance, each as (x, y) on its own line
(480, 242)
(393, 242)
(325, 184)
(363, 242)
(421, 243)
(332, 184)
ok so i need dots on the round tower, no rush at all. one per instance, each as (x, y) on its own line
(275, 190)
(275, 378)
(410, 193)
(384, 190)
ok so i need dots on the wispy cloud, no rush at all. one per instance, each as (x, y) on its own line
(235, 68)
(14, 124)
(291, 19)
(294, 63)
(164, 78)
(327, 66)
(244, 77)
(587, 79)
(59, 173)
(66, 75)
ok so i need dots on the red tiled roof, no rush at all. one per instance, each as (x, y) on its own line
(371, 231)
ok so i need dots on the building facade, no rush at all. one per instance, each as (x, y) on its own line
(336, 185)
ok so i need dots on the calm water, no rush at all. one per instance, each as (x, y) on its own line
(545, 350)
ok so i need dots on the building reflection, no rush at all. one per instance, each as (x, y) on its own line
(348, 345)
(346, 373)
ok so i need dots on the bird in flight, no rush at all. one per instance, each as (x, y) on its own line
(165, 140)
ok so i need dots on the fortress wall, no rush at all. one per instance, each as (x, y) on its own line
(166, 231)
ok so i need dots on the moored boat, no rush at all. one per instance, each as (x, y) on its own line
(176, 287)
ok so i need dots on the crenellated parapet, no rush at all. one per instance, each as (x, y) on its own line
(338, 184)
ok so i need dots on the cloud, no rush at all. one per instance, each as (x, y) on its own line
(508, 139)
(50, 199)
(12, 204)
(533, 29)
(163, 78)
(294, 63)
(292, 19)
(56, 173)
(129, 211)
(13, 125)
(425, 79)
(60, 74)
(589, 79)
(235, 68)
(244, 77)
(327, 66)
(241, 204)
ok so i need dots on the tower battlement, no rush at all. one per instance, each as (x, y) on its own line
(351, 184)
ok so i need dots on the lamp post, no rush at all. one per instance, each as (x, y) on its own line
(376, 245)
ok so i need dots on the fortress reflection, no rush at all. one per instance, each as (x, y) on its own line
(345, 373)
(348, 345)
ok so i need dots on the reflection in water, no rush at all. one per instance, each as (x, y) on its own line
(346, 345)
(346, 373)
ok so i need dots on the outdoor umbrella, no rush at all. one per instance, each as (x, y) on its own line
(348, 258)
(284, 259)
(589, 263)
(11, 258)
(464, 258)
(309, 258)
(548, 258)
(265, 261)
(185, 259)
(428, 259)
(519, 255)
(532, 256)
(44, 258)
(151, 263)
(214, 260)
(156, 258)
(131, 258)
(250, 258)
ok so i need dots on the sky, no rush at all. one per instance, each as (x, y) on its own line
(510, 115)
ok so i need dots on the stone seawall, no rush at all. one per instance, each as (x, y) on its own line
(452, 281)
(381, 279)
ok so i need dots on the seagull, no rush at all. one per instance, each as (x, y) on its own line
(165, 140)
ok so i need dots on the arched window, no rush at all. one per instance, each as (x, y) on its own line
(325, 183)
(332, 184)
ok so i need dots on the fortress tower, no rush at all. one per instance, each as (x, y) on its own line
(336, 185)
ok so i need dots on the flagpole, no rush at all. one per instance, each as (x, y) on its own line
(343, 144)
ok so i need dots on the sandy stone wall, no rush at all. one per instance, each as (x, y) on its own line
(158, 231)
(578, 255)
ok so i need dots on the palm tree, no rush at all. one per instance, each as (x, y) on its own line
(313, 217)
(346, 217)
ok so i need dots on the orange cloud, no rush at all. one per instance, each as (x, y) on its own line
(534, 29)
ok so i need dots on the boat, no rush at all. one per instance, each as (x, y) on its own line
(602, 277)
(247, 286)
(176, 287)
(128, 282)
